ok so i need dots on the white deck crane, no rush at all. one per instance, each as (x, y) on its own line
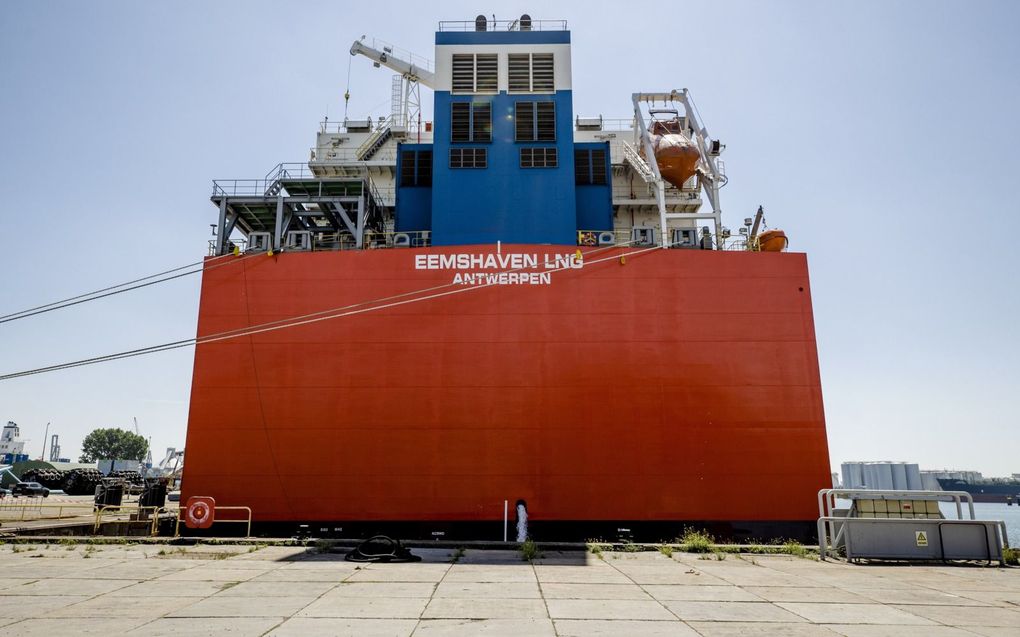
(406, 98)
(410, 70)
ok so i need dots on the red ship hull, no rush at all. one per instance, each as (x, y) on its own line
(672, 385)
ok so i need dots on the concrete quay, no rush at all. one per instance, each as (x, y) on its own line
(281, 591)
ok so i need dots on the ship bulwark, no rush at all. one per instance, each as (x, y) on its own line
(668, 385)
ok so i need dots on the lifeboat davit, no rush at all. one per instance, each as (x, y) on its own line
(772, 241)
(675, 153)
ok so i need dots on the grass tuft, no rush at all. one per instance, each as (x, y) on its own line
(695, 541)
(529, 551)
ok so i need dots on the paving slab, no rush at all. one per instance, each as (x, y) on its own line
(752, 629)
(420, 590)
(488, 590)
(553, 590)
(48, 627)
(218, 606)
(489, 627)
(491, 573)
(492, 608)
(993, 631)
(308, 590)
(674, 592)
(400, 573)
(59, 586)
(339, 627)
(22, 607)
(607, 609)
(621, 627)
(918, 596)
(147, 608)
(813, 594)
(732, 612)
(866, 630)
(159, 588)
(1009, 599)
(581, 575)
(365, 607)
(854, 614)
(207, 627)
(968, 615)
(212, 575)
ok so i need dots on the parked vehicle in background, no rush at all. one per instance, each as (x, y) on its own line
(30, 489)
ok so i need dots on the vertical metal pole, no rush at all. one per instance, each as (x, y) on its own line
(278, 240)
(221, 225)
(360, 223)
(505, 522)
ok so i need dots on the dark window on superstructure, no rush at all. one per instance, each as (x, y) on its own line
(468, 157)
(425, 168)
(475, 73)
(538, 157)
(535, 122)
(530, 73)
(590, 167)
(415, 168)
(407, 171)
(470, 122)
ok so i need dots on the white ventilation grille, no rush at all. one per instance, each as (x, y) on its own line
(475, 73)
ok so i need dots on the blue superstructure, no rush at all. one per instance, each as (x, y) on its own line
(503, 152)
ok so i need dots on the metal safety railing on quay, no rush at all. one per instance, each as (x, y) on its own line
(12, 509)
(151, 513)
(832, 529)
(504, 25)
(216, 520)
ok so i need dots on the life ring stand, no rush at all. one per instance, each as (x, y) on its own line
(200, 512)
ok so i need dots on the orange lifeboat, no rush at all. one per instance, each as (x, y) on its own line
(772, 241)
(676, 155)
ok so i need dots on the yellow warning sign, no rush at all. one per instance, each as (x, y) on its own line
(921, 538)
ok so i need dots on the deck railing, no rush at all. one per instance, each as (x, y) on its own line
(504, 25)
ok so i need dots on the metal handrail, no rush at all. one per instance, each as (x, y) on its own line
(503, 25)
(177, 525)
(381, 157)
(37, 506)
(102, 509)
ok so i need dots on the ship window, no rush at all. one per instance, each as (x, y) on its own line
(582, 167)
(530, 73)
(470, 122)
(538, 157)
(415, 168)
(590, 167)
(475, 73)
(598, 167)
(468, 158)
(407, 159)
(424, 168)
(535, 122)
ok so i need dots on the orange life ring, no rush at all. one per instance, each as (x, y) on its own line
(200, 512)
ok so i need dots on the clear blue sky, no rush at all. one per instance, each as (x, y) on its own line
(883, 136)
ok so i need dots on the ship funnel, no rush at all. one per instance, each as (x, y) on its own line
(525, 22)
(480, 23)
